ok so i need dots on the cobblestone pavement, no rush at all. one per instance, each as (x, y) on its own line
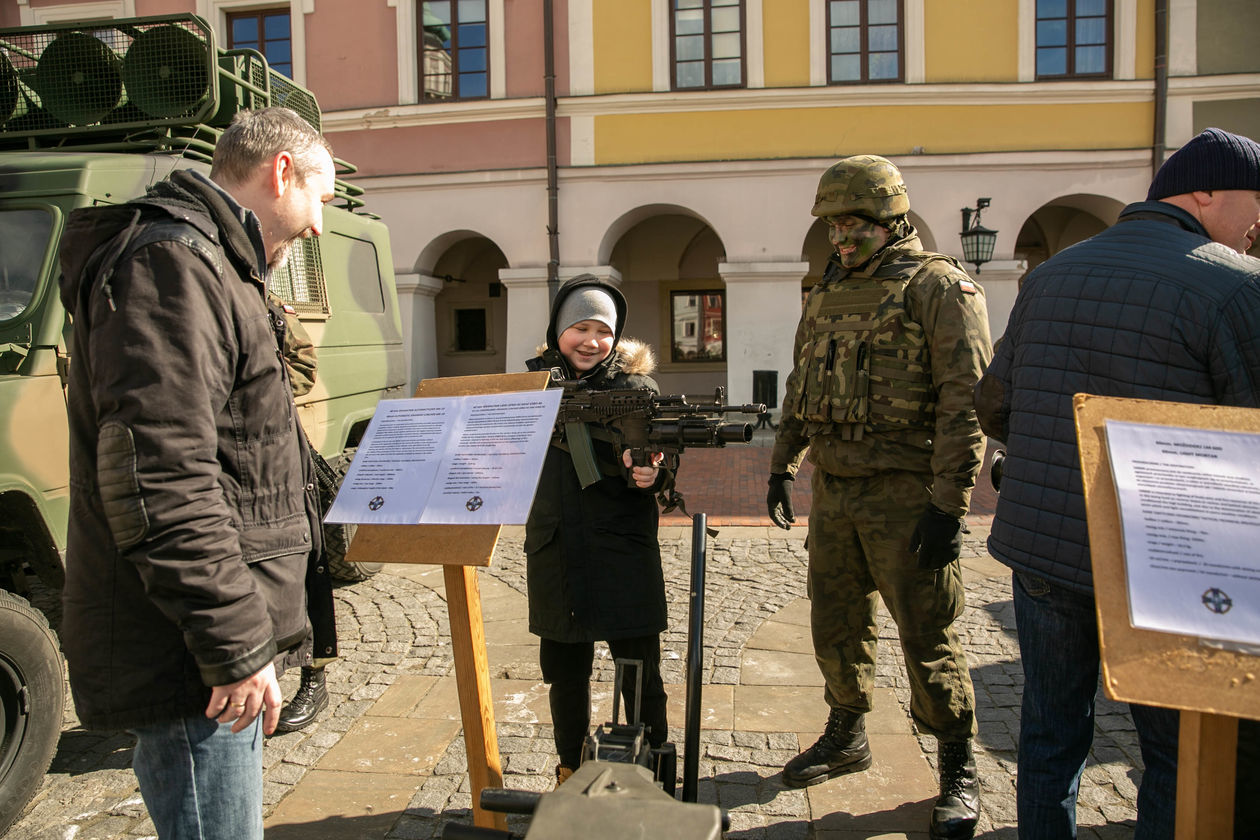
(393, 625)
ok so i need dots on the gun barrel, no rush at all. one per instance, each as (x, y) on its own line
(509, 801)
(747, 408)
(700, 433)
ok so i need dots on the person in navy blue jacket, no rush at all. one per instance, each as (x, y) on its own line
(1164, 305)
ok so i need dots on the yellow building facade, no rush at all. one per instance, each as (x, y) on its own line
(674, 146)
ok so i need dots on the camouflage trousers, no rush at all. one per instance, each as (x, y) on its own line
(859, 550)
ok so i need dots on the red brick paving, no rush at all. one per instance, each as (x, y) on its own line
(729, 486)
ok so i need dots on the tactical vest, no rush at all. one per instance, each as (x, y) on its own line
(865, 365)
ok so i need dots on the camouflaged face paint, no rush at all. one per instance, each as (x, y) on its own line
(855, 239)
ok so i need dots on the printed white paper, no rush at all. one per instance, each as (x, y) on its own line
(471, 460)
(1190, 514)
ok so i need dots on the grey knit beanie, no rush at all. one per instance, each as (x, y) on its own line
(586, 304)
(1214, 160)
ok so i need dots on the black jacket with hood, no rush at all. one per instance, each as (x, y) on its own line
(593, 559)
(193, 516)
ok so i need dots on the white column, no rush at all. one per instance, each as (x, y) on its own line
(529, 309)
(416, 296)
(763, 306)
(1000, 281)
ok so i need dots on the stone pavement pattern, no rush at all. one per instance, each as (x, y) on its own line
(386, 760)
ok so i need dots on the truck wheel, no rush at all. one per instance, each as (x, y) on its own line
(32, 694)
(337, 536)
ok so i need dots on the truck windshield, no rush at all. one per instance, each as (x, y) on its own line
(25, 233)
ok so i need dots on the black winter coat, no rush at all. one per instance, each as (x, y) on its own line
(1150, 308)
(593, 558)
(193, 513)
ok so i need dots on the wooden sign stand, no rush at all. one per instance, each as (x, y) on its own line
(459, 549)
(1212, 687)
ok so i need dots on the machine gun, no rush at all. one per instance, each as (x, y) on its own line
(645, 423)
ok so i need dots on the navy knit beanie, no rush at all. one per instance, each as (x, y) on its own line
(1215, 160)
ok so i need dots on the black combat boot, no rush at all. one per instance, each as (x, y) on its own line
(956, 811)
(311, 699)
(841, 749)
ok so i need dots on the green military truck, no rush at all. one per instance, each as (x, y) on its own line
(94, 113)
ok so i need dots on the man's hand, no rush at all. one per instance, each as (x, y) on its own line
(779, 500)
(243, 701)
(644, 477)
(937, 538)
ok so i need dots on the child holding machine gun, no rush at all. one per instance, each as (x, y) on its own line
(593, 560)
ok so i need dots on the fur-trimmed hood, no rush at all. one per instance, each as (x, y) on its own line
(636, 357)
(631, 356)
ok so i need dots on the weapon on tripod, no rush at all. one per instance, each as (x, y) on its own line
(606, 799)
(623, 789)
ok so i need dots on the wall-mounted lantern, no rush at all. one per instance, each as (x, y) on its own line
(977, 240)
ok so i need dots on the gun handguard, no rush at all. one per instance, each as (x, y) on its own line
(645, 423)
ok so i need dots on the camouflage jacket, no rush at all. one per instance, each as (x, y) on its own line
(300, 356)
(886, 358)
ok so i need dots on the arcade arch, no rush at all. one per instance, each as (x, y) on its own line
(1061, 222)
(668, 260)
(471, 309)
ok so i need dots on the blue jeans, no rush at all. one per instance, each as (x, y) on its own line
(1058, 644)
(201, 781)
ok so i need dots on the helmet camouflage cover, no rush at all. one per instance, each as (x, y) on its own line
(862, 185)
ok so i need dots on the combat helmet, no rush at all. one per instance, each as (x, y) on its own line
(862, 185)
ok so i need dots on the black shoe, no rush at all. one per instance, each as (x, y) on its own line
(958, 808)
(841, 749)
(311, 699)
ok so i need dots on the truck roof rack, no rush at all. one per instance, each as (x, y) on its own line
(145, 84)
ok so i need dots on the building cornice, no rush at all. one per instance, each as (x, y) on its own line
(988, 163)
(767, 99)
(1232, 86)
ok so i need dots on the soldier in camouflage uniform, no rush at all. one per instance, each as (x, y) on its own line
(889, 347)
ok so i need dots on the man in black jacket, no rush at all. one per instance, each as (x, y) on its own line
(193, 514)
(1164, 305)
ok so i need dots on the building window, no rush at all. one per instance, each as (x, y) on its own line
(1073, 39)
(454, 50)
(864, 41)
(699, 326)
(266, 31)
(707, 40)
(470, 330)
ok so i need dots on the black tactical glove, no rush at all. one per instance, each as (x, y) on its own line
(779, 500)
(937, 538)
